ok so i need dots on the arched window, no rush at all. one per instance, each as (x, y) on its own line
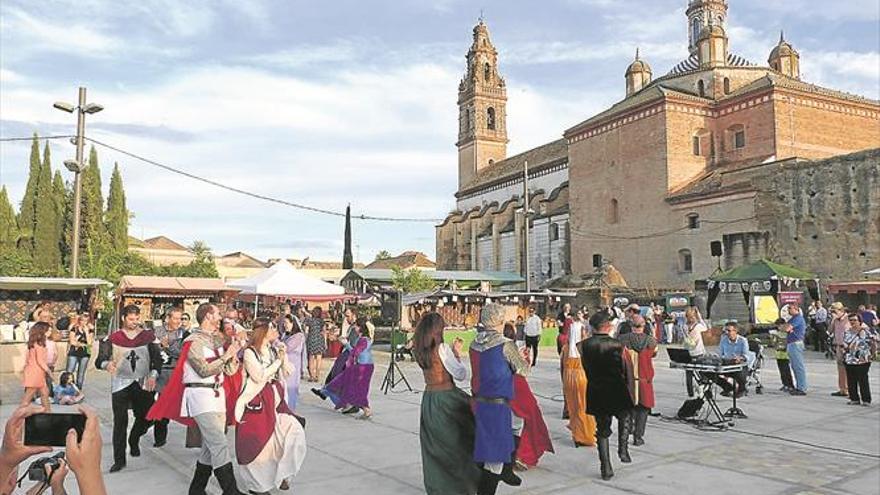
(727, 85)
(490, 118)
(736, 136)
(614, 211)
(467, 119)
(693, 221)
(701, 88)
(685, 261)
(487, 71)
(695, 30)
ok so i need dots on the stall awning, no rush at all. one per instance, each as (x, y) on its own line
(174, 285)
(50, 283)
(282, 279)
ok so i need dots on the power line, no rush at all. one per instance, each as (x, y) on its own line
(598, 235)
(227, 187)
(39, 138)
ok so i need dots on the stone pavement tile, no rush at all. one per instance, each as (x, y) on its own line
(796, 465)
(320, 465)
(370, 482)
(868, 481)
(682, 477)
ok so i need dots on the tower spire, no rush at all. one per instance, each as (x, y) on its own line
(781, 36)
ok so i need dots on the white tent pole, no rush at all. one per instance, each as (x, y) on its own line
(256, 305)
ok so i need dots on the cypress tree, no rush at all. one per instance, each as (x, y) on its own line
(8, 223)
(117, 214)
(347, 258)
(59, 194)
(93, 233)
(46, 255)
(27, 213)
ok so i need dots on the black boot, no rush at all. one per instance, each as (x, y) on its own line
(604, 458)
(640, 423)
(226, 477)
(488, 484)
(200, 479)
(507, 474)
(623, 439)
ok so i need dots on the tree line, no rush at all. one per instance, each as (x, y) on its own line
(36, 241)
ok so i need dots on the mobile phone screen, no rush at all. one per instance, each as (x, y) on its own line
(51, 428)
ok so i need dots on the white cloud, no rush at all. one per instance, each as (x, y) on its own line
(65, 37)
(846, 10)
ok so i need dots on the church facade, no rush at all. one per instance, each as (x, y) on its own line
(650, 182)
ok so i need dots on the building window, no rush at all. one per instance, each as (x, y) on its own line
(487, 71)
(613, 212)
(697, 145)
(491, 162)
(727, 85)
(554, 231)
(490, 118)
(701, 88)
(695, 30)
(693, 221)
(685, 261)
(467, 119)
(739, 139)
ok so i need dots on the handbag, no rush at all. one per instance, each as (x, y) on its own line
(690, 408)
(105, 352)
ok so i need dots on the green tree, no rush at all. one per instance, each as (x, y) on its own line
(46, 253)
(411, 281)
(117, 214)
(8, 224)
(27, 212)
(93, 233)
(383, 255)
(59, 194)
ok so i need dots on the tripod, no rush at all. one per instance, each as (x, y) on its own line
(390, 381)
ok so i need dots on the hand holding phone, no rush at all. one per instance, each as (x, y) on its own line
(14, 449)
(50, 429)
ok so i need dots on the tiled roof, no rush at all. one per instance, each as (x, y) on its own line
(775, 79)
(692, 63)
(239, 259)
(404, 260)
(646, 95)
(544, 154)
(727, 179)
(162, 242)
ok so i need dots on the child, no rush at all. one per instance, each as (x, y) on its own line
(777, 339)
(66, 392)
(35, 366)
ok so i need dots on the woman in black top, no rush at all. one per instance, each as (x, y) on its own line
(80, 341)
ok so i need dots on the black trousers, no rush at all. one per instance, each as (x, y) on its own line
(857, 382)
(603, 423)
(532, 343)
(160, 430)
(739, 377)
(819, 335)
(139, 401)
(785, 372)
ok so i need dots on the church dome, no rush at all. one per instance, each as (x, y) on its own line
(783, 49)
(638, 65)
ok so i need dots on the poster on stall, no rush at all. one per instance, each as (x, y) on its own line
(765, 308)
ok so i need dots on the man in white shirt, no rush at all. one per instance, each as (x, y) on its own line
(532, 330)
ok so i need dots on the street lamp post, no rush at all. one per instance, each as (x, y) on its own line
(77, 166)
(526, 223)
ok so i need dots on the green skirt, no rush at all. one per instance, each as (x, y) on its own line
(446, 433)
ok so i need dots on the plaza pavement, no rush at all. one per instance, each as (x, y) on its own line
(788, 445)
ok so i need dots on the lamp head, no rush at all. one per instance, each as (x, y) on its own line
(92, 108)
(64, 106)
(73, 165)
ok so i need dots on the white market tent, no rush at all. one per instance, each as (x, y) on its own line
(282, 279)
(875, 271)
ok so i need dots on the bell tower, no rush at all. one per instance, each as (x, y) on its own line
(701, 14)
(482, 110)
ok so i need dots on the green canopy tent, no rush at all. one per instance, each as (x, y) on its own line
(762, 276)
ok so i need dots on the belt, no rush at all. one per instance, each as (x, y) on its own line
(439, 387)
(213, 386)
(491, 400)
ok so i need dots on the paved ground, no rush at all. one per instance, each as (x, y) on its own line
(788, 445)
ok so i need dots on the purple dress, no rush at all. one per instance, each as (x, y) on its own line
(352, 385)
(295, 347)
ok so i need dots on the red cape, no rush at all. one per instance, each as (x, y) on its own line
(169, 403)
(535, 439)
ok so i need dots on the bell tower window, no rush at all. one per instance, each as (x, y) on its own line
(613, 212)
(695, 30)
(487, 72)
(701, 88)
(490, 118)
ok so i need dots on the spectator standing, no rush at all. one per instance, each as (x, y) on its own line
(79, 350)
(533, 333)
(839, 326)
(860, 346)
(868, 316)
(777, 339)
(795, 347)
(820, 327)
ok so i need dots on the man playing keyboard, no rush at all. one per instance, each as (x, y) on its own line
(734, 349)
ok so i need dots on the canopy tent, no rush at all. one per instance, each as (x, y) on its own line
(762, 276)
(282, 279)
(875, 271)
(174, 285)
(50, 283)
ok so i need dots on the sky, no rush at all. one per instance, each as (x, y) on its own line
(331, 103)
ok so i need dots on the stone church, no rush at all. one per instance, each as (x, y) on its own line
(698, 155)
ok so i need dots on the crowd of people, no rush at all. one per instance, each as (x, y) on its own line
(219, 375)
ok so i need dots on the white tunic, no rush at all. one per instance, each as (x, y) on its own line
(202, 400)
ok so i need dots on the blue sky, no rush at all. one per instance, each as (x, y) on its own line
(326, 103)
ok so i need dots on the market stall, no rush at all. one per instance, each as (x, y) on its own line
(155, 295)
(765, 287)
(282, 282)
(853, 294)
(19, 296)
